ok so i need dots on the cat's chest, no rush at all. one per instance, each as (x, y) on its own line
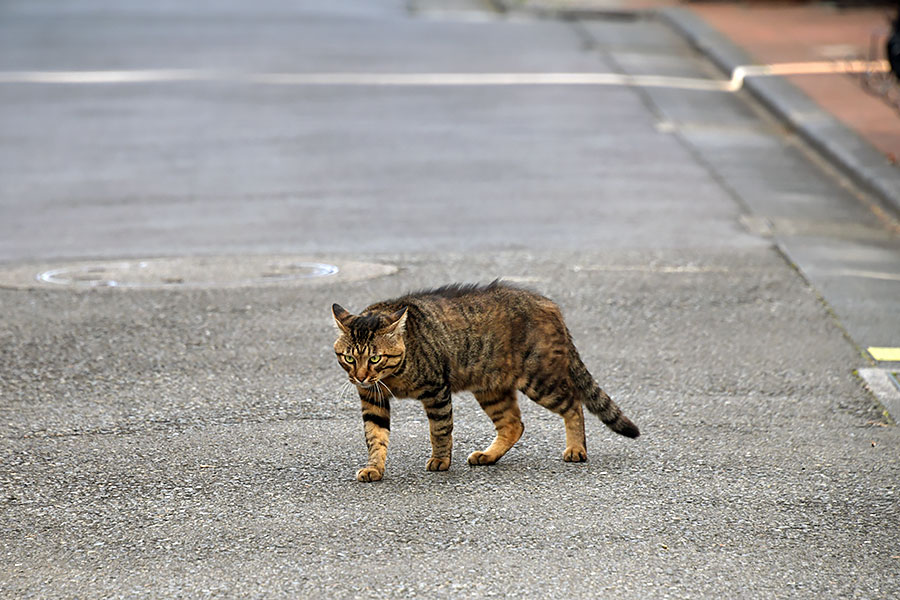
(408, 387)
(462, 376)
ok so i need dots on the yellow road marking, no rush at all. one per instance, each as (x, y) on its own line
(883, 354)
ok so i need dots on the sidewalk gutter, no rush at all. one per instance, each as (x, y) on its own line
(843, 147)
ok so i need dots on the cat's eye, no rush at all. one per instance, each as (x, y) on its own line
(349, 359)
(374, 359)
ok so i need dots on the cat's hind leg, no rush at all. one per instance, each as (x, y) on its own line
(555, 392)
(503, 409)
(576, 447)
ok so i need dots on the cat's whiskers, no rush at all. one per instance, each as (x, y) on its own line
(376, 398)
(344, 390)
(384, 385)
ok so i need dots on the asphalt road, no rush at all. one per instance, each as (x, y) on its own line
(194, 442)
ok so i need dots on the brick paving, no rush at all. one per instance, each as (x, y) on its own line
(785, 31)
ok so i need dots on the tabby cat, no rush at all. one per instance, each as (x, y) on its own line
(491, 340)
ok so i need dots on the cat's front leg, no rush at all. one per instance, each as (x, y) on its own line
(439, 410)
(376, 414)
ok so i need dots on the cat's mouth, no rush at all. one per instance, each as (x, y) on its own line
(364, 384)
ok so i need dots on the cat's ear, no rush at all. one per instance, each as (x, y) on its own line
(340, 317)
(398, 323)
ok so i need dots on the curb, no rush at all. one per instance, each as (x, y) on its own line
(840, 145)
(881, 383)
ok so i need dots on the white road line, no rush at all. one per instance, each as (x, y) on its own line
(358, 79)
(89, 77)
(651, 269)
(863, 274)
(440, 79)
(488, 79)
(823, 67)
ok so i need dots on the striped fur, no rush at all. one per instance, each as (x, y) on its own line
(494, 341)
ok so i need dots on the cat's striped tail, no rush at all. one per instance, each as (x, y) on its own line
(597, 401)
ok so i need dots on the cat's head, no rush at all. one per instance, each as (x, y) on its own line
(369, 347)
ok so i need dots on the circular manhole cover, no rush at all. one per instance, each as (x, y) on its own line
(189, 272)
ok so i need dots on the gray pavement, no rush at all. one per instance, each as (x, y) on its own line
(188, 442)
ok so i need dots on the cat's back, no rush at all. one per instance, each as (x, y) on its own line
(468, 296)
(472, 308)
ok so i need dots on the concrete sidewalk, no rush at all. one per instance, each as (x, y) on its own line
(856, 130)
(784, 33)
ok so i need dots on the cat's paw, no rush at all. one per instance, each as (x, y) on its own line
(369, 474)
(480, 458)
(575, 454)
(438, 464)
